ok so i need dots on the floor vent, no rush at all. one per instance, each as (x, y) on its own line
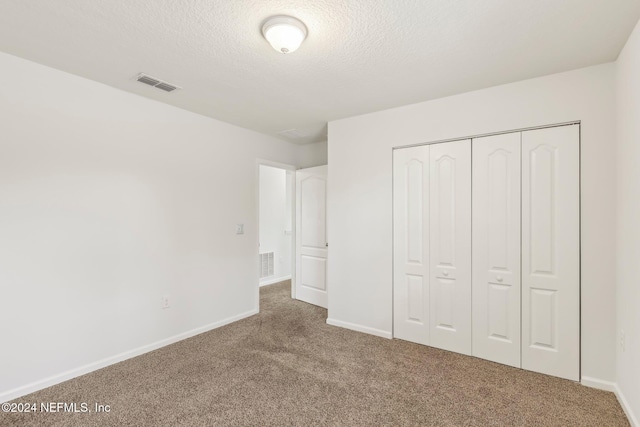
(266, 264)
(157, 83)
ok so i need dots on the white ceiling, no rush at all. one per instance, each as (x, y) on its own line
(360, 55)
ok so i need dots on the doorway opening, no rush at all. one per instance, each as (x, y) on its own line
(292, 233)
(275, 222)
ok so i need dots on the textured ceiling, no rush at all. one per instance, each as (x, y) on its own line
(360, 55)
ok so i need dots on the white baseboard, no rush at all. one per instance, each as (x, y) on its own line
(85, 369)
(272, 281)
(633, 420)
(360, 328)
(613, 387)
(598, 383)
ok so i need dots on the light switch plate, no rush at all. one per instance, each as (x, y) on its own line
(240, 229)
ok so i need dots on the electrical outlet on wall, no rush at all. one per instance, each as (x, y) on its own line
(166, 303)
(623, 340)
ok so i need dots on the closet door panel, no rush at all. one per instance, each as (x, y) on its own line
(496, 248)
(450, 246)
(550, 251)
(411, 244)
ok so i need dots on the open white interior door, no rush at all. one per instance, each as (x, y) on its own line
(311, 235)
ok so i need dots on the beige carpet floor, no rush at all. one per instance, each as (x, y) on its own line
(285, 366)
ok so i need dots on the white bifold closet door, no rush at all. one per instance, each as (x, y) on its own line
(514, 296)
(450, 246)
(411, 244)
(551, 251)
(432, 245)
(496, 248)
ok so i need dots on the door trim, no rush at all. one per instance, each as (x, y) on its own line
(441, 141)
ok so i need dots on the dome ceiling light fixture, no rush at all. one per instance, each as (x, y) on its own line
(284, 33)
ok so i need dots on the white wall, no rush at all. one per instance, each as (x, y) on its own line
(628, 202)
(107, 202)
(310, 155)
(360, 203)
(273, 222)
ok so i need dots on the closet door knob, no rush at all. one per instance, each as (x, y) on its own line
(445, 273)
(499, 278)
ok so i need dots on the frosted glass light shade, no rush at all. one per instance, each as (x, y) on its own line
(284, 33)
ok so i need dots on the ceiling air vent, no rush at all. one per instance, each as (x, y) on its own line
(292, 133)
(157, 83)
